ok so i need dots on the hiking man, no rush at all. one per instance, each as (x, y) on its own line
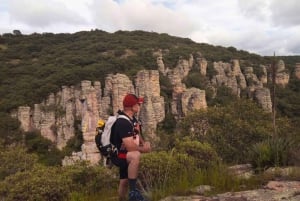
(126, 137)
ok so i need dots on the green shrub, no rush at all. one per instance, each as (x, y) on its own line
(270, 153)
(57, 183)
(44, 148)
(227, 129)
(41, 183)
(158, 169)
(10, 130)
(15, 159)
(89, 179)
(204, 155)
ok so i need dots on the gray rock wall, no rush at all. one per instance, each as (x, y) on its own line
(55, 117)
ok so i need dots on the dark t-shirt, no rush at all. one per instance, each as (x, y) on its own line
(122, 128)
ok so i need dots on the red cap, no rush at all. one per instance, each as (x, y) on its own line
(131, 100)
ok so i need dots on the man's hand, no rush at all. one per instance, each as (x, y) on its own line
(146, 147)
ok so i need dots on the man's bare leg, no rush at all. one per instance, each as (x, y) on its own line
(133, 159)
(123, 188)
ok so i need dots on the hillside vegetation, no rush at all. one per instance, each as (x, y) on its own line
(32, 66)
(239, 131)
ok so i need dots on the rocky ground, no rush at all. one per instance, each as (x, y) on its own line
(273, 191)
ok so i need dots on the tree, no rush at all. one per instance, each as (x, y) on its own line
(17, 32)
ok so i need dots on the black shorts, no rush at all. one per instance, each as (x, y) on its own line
(123, 166)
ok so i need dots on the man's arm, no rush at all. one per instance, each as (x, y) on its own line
(130, 145)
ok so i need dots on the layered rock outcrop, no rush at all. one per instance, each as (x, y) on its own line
(201, 64)
(282, 77)
(56, 117)
(297, 70)
(264, 76)
(231, 76)
(153, 110)
(193, 99)
(185, 100)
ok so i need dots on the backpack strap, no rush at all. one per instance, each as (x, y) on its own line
(124, 117)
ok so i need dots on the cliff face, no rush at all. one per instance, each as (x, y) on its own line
(55, 117)
(230, 75)
(282, 77)
(297, 70)
(184, 100)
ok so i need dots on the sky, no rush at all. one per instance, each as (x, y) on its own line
(263, 27)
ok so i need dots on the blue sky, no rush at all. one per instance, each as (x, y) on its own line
(259, 26)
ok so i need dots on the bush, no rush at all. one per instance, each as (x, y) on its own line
(41, 183)
(270, 153)
(204, 155)
(45, 149)
(10, 130)
(15, 159)
(227, 129)
(57, 183)
(89, 179)
(160, 169)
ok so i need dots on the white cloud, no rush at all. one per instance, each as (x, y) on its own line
(254, 25)
(285, 13)
(140, 15)
(42, 13)
(255, 9)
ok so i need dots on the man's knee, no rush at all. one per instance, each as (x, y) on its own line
(133, 156)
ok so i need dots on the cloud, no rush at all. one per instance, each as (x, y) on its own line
(42, 13)
(253, 25)
(285, 13)
(140, 15)
(255, 9)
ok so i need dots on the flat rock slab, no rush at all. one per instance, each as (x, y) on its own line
(273, 191)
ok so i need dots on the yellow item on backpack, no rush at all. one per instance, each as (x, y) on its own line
(101, 123)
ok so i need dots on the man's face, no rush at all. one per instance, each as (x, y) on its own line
(136, 108)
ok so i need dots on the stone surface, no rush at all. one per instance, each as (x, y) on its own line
(153, 109)
(193, 99)
(56, 117)
(242, 170)
(264, 77)
(263, 97)
(230, 75)
(201, 62)
(282, 77)
(273, 191)
(23, 115)
(297, 70)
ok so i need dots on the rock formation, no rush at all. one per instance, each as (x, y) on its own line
(56, 116)
(23, 114)
(282, 77)
(183, 99)
(263, 97)
(229, 75)
(153, 110)
(264, 77)
(297, 70)
(201, 64)
(193, 99)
